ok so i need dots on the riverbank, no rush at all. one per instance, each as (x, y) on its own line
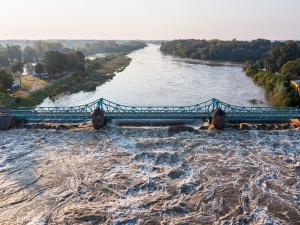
(33, 90)
(146, 175)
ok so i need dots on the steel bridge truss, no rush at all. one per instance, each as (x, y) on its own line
(116, 111)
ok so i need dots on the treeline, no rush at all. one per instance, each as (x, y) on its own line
(110, 47)
(54, 57)
(56, 62)
(35, 52)
(236, 51)
(276, 71)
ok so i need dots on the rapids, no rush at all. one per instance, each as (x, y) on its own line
(145, 175)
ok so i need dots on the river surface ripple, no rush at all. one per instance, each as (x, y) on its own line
(145, 175)
(153, 78)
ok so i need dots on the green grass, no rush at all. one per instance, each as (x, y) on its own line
(42, 82)
(27, 83)
(37, 97)
(29, 78)
(6, 98)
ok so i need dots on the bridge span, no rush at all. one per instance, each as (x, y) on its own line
(116, 111)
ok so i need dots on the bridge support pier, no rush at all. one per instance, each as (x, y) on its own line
(98, 119)
(6, 122)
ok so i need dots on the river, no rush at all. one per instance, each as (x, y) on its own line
(124, 175)
(149, 175)
(153, 78)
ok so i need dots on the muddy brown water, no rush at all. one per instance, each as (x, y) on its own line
(145, 175)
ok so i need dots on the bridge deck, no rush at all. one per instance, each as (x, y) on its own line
(117, 111)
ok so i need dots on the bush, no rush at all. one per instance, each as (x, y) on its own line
(18, 100)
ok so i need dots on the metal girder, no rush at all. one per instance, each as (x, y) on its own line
(116, 111)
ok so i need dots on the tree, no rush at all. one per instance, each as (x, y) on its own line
(291, 68)
(80, 67)
(29, 54)
(18, 68)
(280, 96)
(13, 53)
(73, 59)
(55, 62)
(6, 79)
(280, 54)
(2, 90)
(4, 62)
(80, 55)
(39, 68)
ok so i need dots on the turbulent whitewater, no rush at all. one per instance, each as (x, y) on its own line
(149, 175)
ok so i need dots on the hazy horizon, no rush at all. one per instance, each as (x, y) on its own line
(149, 20)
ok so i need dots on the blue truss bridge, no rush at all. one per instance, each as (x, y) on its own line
(116, 111)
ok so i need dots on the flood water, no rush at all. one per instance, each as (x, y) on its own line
(153, 78)
(149, 176)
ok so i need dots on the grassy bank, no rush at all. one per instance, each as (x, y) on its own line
(107, 67)
(38, 96)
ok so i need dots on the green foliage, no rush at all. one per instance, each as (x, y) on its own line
(277, 88)
(55, 62)
(81, 56)
(2, 90)
(17, 67)
(279, 96)
(110, 46)
(237, 51)
(6, 79)
(4, 62)
(39, 68)
(79, 67)
(252, 68)
(291, 68)
(29, 54)
(13, 53)
(58, 90)
(281, 53)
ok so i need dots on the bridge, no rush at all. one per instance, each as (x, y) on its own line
(116, 111)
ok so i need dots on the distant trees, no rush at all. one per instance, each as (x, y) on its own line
(291, 68)
(110, 46)
(281, 53)
(4, 62)
(13, 53)
(39, 69)
(18, 67)
(236, 51)
(55, 62)
(29, 54)
(6, 79)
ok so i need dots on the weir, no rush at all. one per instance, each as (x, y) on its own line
(116, 111)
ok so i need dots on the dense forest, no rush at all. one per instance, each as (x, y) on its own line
(235, 51)
(271, 64)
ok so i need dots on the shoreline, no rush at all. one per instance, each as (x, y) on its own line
(72, 84)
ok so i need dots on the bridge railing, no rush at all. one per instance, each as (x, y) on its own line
(259, 113)
(116, 111)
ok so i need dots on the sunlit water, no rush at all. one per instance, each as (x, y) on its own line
(153, 78)
(147, 175)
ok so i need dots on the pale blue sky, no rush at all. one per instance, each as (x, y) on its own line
(150, 19)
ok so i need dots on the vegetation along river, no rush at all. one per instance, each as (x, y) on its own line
(153, 78)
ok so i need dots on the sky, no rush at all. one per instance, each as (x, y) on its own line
(150, 19)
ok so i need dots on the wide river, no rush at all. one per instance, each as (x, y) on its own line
(153, 78)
